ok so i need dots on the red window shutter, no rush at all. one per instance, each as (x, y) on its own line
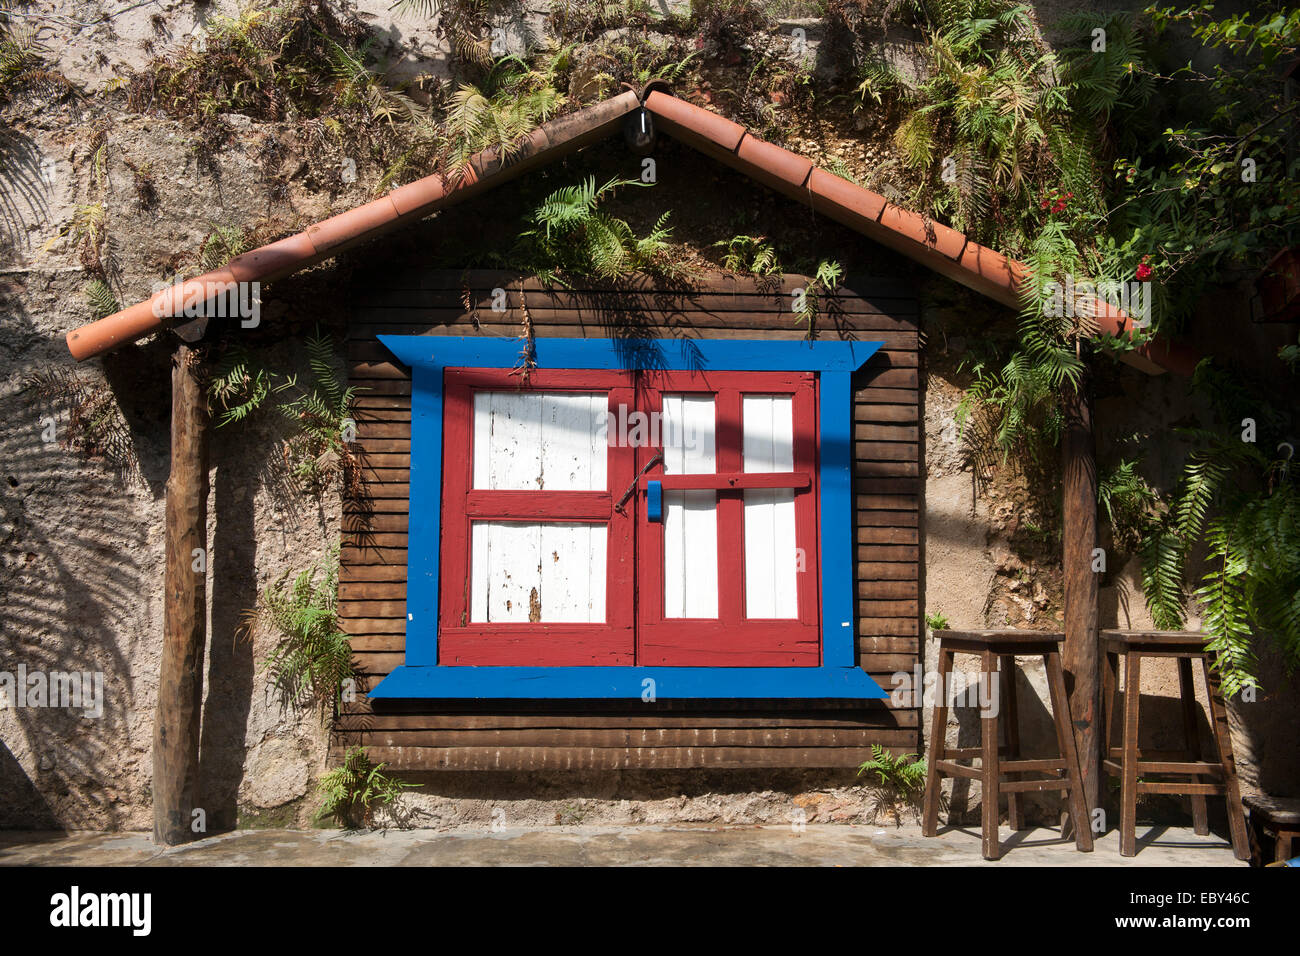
(468, 642)
(731, 638)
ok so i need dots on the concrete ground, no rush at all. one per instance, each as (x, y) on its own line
(817, 845)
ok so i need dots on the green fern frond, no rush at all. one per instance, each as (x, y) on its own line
(100, 298)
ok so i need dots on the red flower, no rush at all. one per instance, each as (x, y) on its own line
(1143, 272)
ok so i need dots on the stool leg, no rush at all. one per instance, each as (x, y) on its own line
(1011, 727)
(1129, 761)
(1223, 739)
(1283, 845)
(990, 790)
(1109, 691)
(1109, 679)
(1065, 741)
(938, 748)
(1187, 690)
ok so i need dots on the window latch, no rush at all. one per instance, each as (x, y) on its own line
(631, 489)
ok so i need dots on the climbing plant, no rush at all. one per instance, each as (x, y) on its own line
(311, 662)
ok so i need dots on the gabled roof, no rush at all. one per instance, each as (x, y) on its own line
(932, 244)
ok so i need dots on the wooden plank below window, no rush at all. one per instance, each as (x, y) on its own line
(544, 756)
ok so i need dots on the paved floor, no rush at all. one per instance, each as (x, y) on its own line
(610, 846)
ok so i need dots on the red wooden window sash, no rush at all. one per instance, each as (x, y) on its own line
(732, 639)
(465, 642)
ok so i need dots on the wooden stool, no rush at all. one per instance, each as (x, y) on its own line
(991, 646)
(1207, 777)
(1279, 816)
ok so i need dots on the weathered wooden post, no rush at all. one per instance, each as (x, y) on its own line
(1082, 654)
(180, 684)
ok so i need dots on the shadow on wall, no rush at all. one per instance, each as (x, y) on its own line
(76, 595)
(230, 665)
(23, 198)
(1264, 745)
(23, 807)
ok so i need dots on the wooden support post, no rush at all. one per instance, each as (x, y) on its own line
(1082, 651)
(180, 685)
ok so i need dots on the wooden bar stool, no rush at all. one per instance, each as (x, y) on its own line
(990, 647)
(1133, 765)
(1275, 817)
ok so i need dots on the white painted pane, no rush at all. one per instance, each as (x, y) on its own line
(690, 517)
(770, 558)
(539, 440)
(547, 572)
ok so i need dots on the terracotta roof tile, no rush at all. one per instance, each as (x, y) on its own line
(589, 125)
(269, 260)
(844, 201)
(353, 224)
(421, 195)
(993, 274)
(934, 235)
(773, 166)
(706, 131)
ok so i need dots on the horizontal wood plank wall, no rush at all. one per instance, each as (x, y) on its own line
(471, 735)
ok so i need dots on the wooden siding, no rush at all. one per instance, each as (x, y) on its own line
(537, 735)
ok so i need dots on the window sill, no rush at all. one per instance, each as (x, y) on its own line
(669, 683)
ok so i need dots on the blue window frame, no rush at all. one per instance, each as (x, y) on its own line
(838, 676)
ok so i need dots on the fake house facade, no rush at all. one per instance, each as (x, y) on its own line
(682, 539)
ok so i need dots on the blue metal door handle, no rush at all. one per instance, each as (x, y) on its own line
(654, 500)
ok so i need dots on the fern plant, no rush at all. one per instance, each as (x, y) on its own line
(100, 298)
(463, 23)
(1010, 412)
(357, 86)
(570, 236)
(755, 255)
(353, 790)
(499, 112)
(989, 107)
(900, 782)
(318, 448)
(1241, 506)
(20, 50)
(87, 230)
(1129, 503)
(826, 279)
(1253, 585)
(318, 418)
(636, 61)
(312, 659)
(221, 245)
(240, 385)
